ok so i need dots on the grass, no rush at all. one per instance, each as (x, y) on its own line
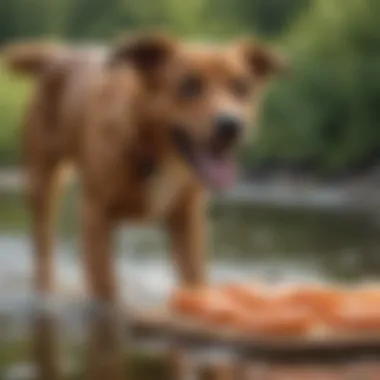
(13, 97)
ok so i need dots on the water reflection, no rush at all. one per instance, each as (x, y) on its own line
(246, 243)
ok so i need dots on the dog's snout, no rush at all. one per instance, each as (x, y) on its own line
(228, 127)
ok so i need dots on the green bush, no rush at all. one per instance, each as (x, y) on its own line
(328, 112)
(13, 97)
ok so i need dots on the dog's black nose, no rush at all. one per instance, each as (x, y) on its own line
(228, 127)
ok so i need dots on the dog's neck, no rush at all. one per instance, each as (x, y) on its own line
(145, 167)
(150, 148)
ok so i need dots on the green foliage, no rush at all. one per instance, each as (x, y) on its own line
(102, 20)
(325, 114)
(13, 97)
(86, 19)
(268, 18)
(328, 113)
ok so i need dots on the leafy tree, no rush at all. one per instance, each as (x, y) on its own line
(328, 112)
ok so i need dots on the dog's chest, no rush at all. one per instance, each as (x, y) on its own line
(165, 187)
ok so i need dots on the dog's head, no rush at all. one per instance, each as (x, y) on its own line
(205, 96)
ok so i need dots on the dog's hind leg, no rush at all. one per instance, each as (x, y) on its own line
(43, 136)
(43, 183)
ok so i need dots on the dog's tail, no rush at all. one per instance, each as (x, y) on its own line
(31, 58)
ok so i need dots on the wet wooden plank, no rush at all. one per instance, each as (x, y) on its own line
(314, 349)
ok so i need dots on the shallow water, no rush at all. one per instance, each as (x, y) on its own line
(269, 245)
(246, 243)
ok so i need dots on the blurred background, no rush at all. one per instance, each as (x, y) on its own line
(308, 206)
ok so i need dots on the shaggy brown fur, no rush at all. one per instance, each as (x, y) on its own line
(140, 124)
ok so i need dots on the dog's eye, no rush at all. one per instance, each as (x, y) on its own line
(240, 87)
(190, 87)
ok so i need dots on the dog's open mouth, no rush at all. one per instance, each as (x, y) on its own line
(215, 165)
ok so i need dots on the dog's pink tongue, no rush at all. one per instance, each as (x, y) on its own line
(219, 172)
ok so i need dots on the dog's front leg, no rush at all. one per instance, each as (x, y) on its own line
(98, 252)
(105, 350)
(187, 232)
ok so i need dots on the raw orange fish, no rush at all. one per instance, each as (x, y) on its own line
(296, 311)
(322, 301)
(366, 295)
(318, 299)
(207, 305)
(356, 310)
(356, 314)
(278, 321)
(360, 320)
(248, 296)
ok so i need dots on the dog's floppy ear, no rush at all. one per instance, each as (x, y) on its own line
(263, 61)
(144, 52)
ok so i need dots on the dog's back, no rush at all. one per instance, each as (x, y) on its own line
(64, 77)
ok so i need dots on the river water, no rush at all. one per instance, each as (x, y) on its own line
(246, 243)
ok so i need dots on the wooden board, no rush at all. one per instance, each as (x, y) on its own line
(192, 335)
(325, 347)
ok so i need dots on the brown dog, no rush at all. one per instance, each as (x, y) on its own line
(149, 125)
